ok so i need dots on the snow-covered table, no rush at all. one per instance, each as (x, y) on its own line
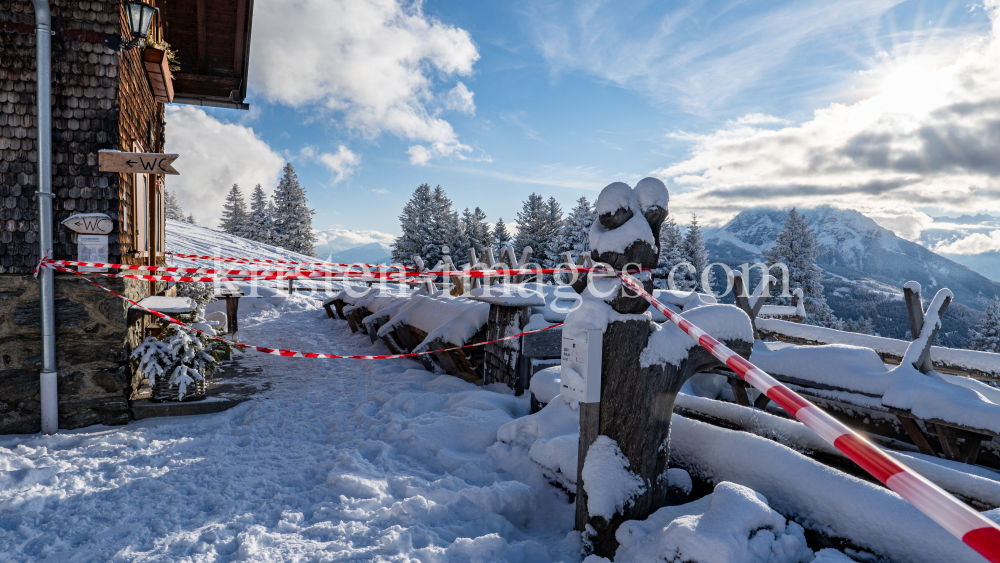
(166, 305)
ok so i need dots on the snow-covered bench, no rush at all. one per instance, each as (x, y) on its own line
(961, 412)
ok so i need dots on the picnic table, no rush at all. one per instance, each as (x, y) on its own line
(166, 305)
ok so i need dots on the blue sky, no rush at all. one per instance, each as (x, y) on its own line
(561, 98)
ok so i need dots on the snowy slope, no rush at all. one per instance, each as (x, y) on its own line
(854, 247)
(186, 238)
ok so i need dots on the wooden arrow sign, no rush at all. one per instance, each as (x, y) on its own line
(137, 162)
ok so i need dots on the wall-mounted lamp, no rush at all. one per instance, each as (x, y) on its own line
(139, 16)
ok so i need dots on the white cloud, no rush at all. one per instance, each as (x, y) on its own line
(213, 156)
(903, 221)
(460, 99)
(927, 139)
(374, 62)
(341, 164)
(335, 240)
(694, 53)
(976, 243)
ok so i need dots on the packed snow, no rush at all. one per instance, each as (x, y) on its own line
(652, 192)
(381, 460)
(615, 196)
(609, 484)
(668, 344)
(617, 240)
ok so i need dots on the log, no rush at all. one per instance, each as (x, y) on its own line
(501, 359)
(635, 409)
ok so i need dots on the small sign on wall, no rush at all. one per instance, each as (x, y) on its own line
(580, 373)
(92, 248)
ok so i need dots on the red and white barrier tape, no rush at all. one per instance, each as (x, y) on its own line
(245, 275)
(264, 261)
(295, 353)
(974, 529)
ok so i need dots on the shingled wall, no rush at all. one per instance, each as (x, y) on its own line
(101, 100)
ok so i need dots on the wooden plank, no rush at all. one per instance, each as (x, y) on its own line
(545, 344)
(761, 401)
(913, 431)
(948, 443)
(502, 358)
(240, 47)
(739, 388)
(970, 449)
(914, 312)
(590, 424)
(137, 162)
(924, 362)
(743, 302)
(202, 24)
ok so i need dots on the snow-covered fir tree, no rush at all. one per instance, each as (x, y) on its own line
(173, 210)
(532, 222)
(576, 230)
(292, 215)
(477, 231)
(445, 230)
(795, 246)
(191, 219)
(501, 236)
(862, 325)
(555, 239)
(259, 227)
(696, 255)
(672, 254)
(986, 335)
(234, 213)
(414, 221)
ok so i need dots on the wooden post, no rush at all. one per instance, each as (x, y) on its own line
(502, 358)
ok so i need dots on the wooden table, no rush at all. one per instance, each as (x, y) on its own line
(165, 305)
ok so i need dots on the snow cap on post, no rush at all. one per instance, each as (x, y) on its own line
(616, 204)
(653, 198)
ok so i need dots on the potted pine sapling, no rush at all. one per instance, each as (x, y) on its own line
(176, 364)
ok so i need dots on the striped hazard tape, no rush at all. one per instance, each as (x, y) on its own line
(296, 353)
(974, 529)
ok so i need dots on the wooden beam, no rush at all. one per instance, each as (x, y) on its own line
(202, 85)
(740, 388)
(741, 294)
(761, 401)
(202, 36)
(919, 440)
(914, 311)
(765, 293)
(970, 449)
(924, 363)
(241, 16)
(948, 443)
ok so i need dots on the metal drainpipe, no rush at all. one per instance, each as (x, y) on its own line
(43, 45)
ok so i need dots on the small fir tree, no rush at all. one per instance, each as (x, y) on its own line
(796, 247)
(672, 254)
(576, 232)
(292, 215)
(554, 235)
(259, 226)
(477, 230)
(173, 210)
(191, 219)
(695, 253)
(414, 221)
(986, 335)
(531, 225)
(501, 237)
(234, 213)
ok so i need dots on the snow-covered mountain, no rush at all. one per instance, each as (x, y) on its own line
(334, 241)
(855, 248)
(371, 253)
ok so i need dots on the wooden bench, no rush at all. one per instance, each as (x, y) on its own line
(956, 441)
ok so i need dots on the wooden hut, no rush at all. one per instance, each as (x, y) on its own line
(101, 100)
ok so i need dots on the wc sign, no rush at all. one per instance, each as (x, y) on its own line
(89, 224)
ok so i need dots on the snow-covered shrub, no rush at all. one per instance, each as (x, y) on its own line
(202, 293)
(179, 356)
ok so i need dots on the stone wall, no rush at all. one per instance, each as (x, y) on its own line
(93, 339)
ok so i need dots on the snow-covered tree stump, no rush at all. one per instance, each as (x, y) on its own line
(624, 448)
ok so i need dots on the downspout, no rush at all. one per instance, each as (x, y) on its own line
(43, 66)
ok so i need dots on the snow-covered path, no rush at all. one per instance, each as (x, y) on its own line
(340, 460)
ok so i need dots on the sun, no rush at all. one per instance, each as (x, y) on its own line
(913, 89)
